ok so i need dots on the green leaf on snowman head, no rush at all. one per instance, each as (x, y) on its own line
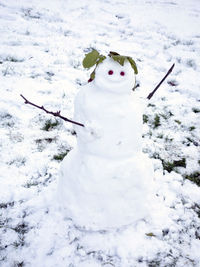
(90, 59)
(92, 75)
(117, 57)
(133, 64)
(113, 54)
(100, 59)
(121, 59)
(94, 58)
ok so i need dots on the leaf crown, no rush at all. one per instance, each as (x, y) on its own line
(94, 57)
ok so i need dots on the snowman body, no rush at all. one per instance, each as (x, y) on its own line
(106, 180)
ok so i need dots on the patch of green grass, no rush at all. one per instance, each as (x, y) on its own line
(48, 140)
(170, 166)
(167, 139)
(156, 121)
(191, 128)
(6, 205)
(20, 242)
(18, 162)
(60, 156)
(49, 125)
(50, 73)
(191, 63)
(42, 143)
(196, 208)
(21, 228)
(167, 115)
(13, 59)
(151, 105)
(194, 177)
(150, 133)
(160, 135)
(178, 122)
(19, 264)
(145, 118)
(154, 263)
(30, 184)
(156, 156)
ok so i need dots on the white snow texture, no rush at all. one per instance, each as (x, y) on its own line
(42, 46)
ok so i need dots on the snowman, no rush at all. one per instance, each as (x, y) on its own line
(106, 181)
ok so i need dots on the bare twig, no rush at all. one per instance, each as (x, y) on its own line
(56, 114)
(156, 88)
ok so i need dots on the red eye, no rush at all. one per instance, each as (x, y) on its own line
(110, 72)
(122, 73)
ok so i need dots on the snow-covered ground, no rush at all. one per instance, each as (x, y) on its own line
(42, 45)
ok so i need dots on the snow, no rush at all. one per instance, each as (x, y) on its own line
(41, 48)
(107, 169)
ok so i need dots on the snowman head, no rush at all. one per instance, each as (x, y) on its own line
(113, 77)
(114, 73)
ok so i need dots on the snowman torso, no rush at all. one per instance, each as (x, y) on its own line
(113, 123)
(107, 172)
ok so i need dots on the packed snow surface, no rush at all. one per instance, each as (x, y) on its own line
(107, 171)
(42, 46)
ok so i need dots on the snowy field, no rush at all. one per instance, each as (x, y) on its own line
(42, 46)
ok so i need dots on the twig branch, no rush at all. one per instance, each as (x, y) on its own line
(56, 114)
(156, 88)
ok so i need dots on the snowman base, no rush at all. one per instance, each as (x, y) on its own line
(101, 194)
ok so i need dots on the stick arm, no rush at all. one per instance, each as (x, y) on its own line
(156, 88)
(55, 114)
